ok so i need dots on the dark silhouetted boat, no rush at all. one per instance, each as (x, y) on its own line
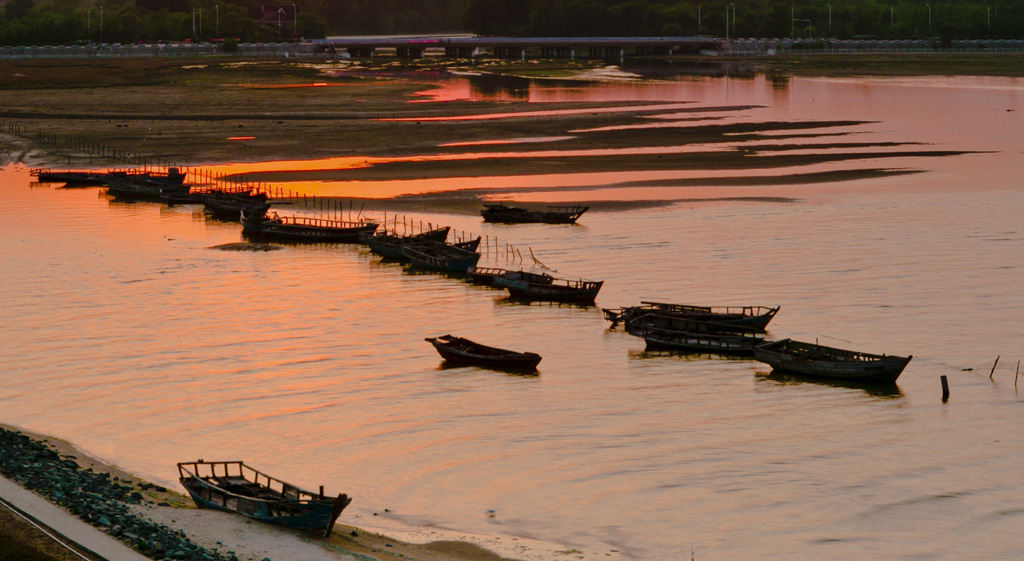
(437, 256)
(390, 245)
(87, 178)
(236, 487)
(812, 359)
(671, 332)
(145, 189)
(303, 228)
(754, 317)
(534, 286)
(463, 351)
(229, 205)
(504, 214)
(484, 275)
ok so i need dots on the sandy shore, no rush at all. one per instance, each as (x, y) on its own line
(254, 541)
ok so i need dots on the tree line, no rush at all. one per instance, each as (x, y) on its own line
(37, 22)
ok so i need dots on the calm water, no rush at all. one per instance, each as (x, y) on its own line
(123, 333)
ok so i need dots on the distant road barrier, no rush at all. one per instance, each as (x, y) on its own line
(518, 48)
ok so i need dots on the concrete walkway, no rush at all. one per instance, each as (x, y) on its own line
(73, 528)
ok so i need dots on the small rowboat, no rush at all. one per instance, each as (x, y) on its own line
(533, 286)
(670, 332)
(452, 258)
(463, 351)
(236, 487)
(390, 245)
(515, 215)
(303, 228)
(230, 205)
(754, 317)
(818, 360)
(484, 275)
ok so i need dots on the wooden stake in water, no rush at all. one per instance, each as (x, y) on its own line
(993, 368)
(945, 388)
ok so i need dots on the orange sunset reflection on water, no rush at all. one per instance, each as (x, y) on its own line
(127, 333)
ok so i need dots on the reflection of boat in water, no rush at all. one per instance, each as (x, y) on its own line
(533, 286)
(887, 390)
(811, 359)
(515, 215)
(303, 228)
(755, 317)
(236, 487)
(462, 350)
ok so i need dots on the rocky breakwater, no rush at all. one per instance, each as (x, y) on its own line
(97, 498)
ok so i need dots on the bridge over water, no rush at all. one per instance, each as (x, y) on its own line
(519, 48)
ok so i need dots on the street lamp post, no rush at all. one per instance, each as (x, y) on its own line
(698, 20)
(829, 18)
(929, 6)
(892, 21)
(216, 27)
(733, 6)
(295, 22)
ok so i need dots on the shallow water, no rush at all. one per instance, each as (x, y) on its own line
(123, 333)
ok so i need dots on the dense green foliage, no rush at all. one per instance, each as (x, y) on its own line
(900, 19)
(27, 22)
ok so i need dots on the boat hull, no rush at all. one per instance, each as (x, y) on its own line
(826, 362)
(463, 351)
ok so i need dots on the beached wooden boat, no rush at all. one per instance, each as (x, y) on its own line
(440, 257)
(484, 275)
(669, 332)
(462, 350)
(533, 286)
(812, 359)
(235, 487)
(390, 245)
(229, 205)
(755, 317)
(505, 214)
(303, 228)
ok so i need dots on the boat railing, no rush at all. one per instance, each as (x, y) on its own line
(313, 222)
(736, 310)
(207, 473)
(576, 209)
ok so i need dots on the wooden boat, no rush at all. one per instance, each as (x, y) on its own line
(755, 317)
(504, 214)
(236, 487)
(441, 257)
(142, 188)
(818, 360)
(172, 176)
(230, 205)
(461, 350)
(533, 286)
(668, 332)
(70, 177)
(484, 275)
(390, 245)
(303, 228)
